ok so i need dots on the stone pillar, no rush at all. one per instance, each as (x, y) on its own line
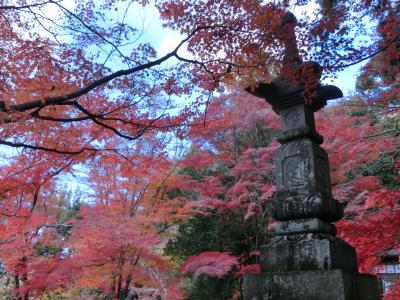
(304, 260)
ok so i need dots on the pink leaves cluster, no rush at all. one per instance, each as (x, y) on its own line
(214, 264)
(375, 219)
(352, 141)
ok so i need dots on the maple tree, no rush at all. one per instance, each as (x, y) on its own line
(229, 175)
(61, 92)
(250, 33)
(79, 91)
(107, 243)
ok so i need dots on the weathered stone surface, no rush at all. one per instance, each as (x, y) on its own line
(303, 182)
(302, 164)
(312, 225)
(297, 116)
(304, 261)
(298, 121)
(304, 131)
(308, 254)
(289, 206)
(282, 94)
(310, 285)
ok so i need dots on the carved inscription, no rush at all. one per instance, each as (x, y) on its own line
(295, 171)
(292, 118)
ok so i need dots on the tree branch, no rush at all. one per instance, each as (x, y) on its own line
(63, 8)
(62, 98)
(368, 56)
(23, 145)
(16, 7)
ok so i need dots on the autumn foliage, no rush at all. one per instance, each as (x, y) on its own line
(363, 174)
(115, 159)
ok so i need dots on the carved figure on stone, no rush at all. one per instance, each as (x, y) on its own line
(295, 171)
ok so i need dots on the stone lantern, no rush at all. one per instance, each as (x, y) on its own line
(304, 260)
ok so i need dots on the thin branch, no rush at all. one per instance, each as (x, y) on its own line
(24, 169)
(357, 140)
(61, 120)
(35, 199)
(8, 241)
(27, 146)
(206, 108)
(94, 119)
(2, 213)
(16, 7)
(368, 56)
(44, 27)
(90, 28)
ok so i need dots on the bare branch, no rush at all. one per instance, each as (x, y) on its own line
(350, 143)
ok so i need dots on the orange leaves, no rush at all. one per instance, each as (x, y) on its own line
(102, 227)
(309, 75)
(394, 291)
(120, 217)
(373, 233)
(106, 241)
(249, 33)
(135, 192)
(174, 291)
(229, 36)
(174, 210)
(199, 159)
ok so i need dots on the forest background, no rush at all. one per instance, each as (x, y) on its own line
(174, 160)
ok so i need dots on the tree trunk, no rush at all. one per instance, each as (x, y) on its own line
(126, 289)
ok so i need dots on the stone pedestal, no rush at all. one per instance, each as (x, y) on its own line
(308, 252)
(309, 267)
(310, 285)
(304, 260)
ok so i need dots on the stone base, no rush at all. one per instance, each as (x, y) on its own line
(300, 226)
(300, 203)
(310, 285)
(308, 252)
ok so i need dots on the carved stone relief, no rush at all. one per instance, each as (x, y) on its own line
(295, 171)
